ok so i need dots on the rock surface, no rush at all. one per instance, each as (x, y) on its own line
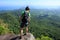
(29, 36)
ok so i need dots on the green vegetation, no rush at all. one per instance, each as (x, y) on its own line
(44, 38)
(3, 28)
(43, 25)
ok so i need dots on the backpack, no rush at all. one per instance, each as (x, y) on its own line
(25, 17)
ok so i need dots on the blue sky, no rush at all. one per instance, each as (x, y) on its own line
(32, 3)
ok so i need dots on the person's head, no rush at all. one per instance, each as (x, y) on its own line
(27, 9)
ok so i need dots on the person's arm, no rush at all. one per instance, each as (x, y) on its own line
(21, 16)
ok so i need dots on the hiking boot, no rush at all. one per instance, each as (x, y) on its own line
(26, 34)
(20, 37)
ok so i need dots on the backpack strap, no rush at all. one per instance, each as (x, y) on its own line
(24, 12)
(29, 15)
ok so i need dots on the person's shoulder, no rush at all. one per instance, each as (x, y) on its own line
(22, 11)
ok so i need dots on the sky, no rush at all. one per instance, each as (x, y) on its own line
(6, 4)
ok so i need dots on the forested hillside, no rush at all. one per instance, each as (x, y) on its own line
(44, 25)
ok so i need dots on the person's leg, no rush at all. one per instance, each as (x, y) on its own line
(21, 32)
(26, 29)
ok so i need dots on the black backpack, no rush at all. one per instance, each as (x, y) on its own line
(25, 17)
